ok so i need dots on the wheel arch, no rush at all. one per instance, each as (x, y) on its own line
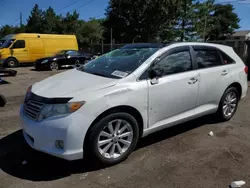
(237, 86)
(11, 57)
(123, 108)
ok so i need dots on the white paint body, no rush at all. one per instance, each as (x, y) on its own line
(170, 102)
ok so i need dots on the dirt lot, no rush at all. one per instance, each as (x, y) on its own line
(182, 156)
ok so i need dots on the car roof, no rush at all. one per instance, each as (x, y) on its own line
(177, 44)
(143, 45)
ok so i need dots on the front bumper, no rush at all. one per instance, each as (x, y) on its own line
(42, 135)
(39, 66)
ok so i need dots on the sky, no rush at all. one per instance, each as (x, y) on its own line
(10, 9)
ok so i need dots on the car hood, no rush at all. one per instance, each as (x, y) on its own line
(70, 83)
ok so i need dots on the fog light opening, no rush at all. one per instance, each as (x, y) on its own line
(59, 144)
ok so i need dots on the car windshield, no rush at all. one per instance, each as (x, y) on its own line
(7, 43)
(118, 63)
(63, 52)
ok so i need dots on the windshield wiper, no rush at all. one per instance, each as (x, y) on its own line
(98, 74)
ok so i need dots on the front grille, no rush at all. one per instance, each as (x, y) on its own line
(32, 109)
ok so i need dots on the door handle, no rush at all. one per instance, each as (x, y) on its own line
(192, 80)
(25, 50)
(224, 73)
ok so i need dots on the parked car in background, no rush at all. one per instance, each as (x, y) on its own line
(101, 109)
(62, 59)
(27, 47)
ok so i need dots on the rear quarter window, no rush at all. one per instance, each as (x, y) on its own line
(226, 59)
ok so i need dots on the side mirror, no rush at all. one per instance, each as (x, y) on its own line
(154, 74)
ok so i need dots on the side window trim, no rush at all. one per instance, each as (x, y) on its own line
(221, 58)
(165, 54)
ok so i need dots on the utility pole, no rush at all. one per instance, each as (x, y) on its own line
(21, 19)
(111, 39)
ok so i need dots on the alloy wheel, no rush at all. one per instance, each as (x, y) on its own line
(115, 139)
(54, 66)
(230, 104)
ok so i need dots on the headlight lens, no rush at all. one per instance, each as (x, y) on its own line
(59, 109)
(28, 92)
(44, 61)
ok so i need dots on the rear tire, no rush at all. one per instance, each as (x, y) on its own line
(228, 104)
(11, 62)
(120, 143)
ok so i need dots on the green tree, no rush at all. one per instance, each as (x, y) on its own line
(225, 21)
(35, 21)
(5, 30)
(215, 21)
(52, 22)
(141, 20)
(70, 22)
(91, 32)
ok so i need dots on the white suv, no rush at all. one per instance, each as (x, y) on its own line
(102, 108)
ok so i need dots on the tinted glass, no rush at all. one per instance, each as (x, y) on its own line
(72, 53)
(63, 52)
(207, 58)
(226, 58)
(176, 62)
(7, 43)
(118, 63)
(19, 44)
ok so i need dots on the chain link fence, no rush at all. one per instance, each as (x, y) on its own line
(242, 48)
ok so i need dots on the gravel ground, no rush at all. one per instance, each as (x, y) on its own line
(181, 156)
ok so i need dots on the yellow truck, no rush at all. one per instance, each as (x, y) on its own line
(21, 48)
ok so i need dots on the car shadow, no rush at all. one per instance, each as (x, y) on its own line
(176, 130)
(19, 160)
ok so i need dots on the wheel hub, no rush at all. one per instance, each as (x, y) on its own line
(115, 139)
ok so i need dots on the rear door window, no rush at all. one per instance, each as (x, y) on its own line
(207, 57)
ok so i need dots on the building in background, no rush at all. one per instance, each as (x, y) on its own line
(241, 35)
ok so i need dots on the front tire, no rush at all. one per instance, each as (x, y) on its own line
(113, 138)
(228, 104)
(11, 62)
(54, 66)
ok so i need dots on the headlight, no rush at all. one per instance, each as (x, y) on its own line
(28, 92)
(59, 109)
(44, 61)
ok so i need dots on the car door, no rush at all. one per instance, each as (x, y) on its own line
(214, 77)
(173, 96)
(19, 50)
(72, 58)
